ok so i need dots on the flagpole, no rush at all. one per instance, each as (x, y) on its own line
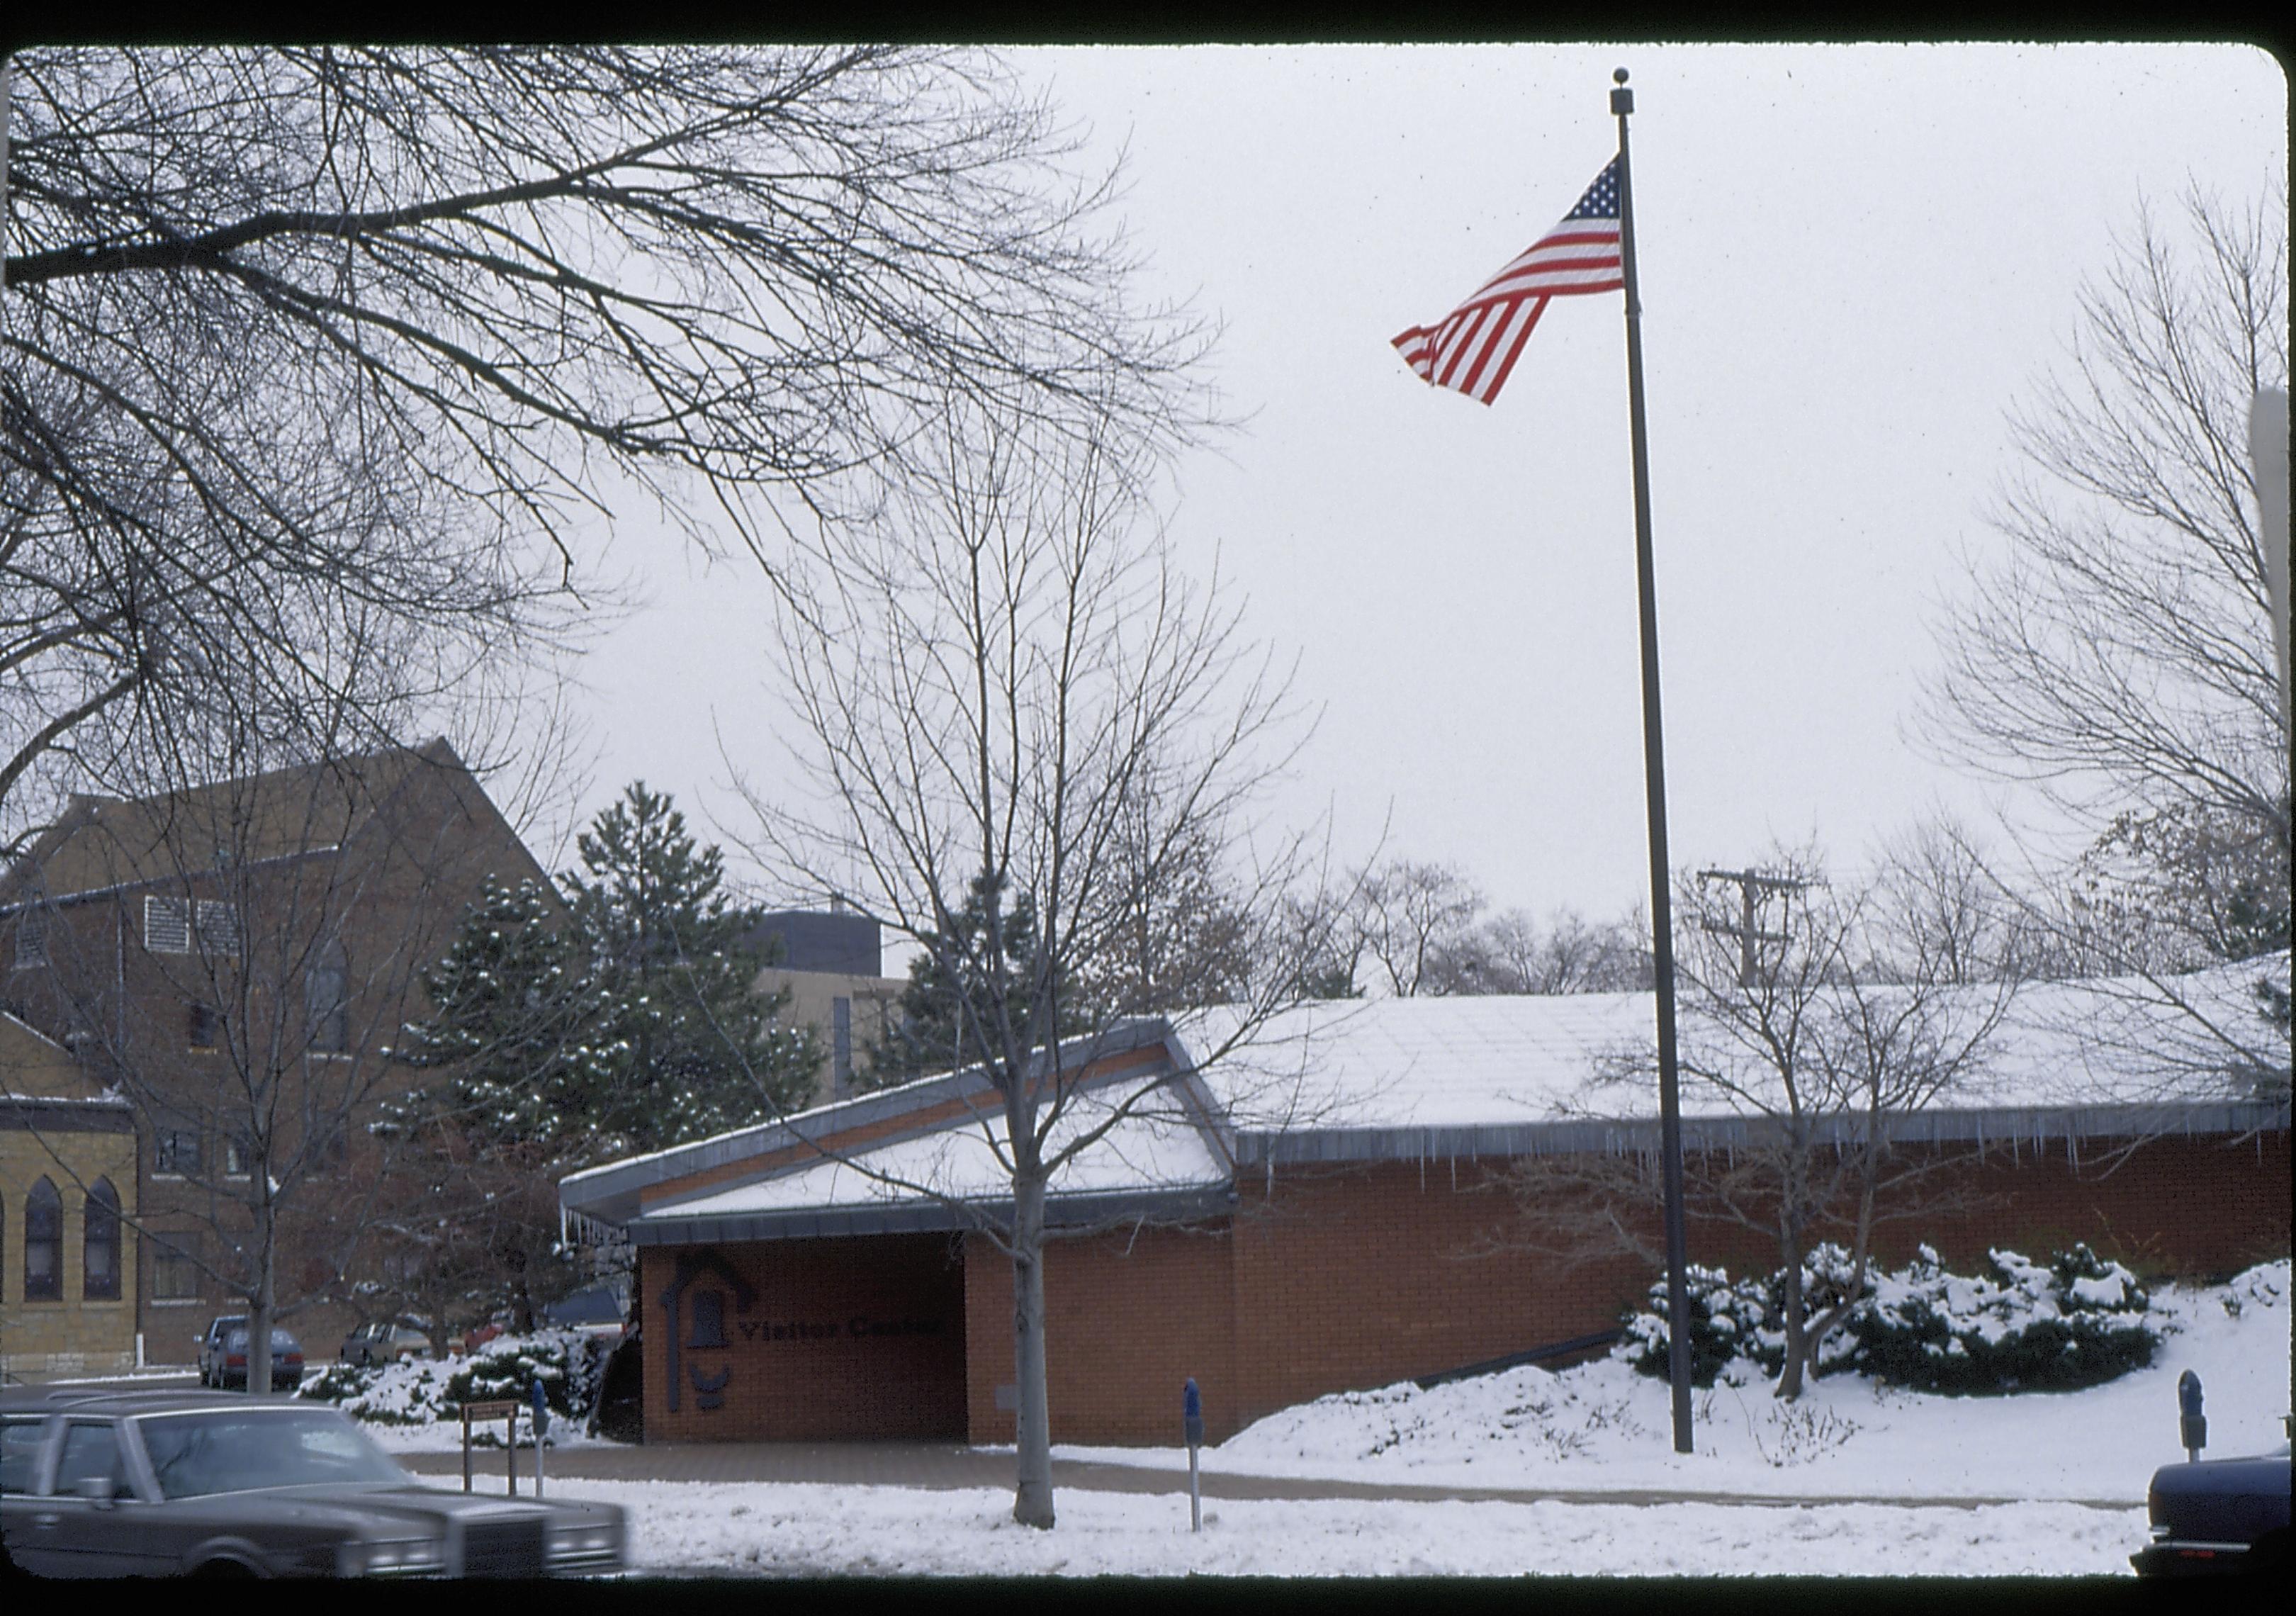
(1669, 1087)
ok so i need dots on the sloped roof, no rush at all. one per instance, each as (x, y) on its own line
(1404, 1078)
(33, 1066)
(1494, 1060)
(100, 843)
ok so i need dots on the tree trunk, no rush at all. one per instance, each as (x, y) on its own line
(1032, 1501)
(266, 1289)
(1797, 1338)
(1871, 1167)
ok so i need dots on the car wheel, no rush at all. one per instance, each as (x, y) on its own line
(2267, 1556)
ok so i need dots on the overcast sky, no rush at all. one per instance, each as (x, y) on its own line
(1853, 259)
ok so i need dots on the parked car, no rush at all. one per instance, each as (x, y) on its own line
(2217, 1516)
(122, 1484)
(209, 1342)
(384, 1341)
(594, 1310)
(230, 1360)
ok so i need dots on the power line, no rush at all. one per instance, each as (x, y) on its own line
(1749, 882)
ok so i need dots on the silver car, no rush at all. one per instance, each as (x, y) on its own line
(159, 1484)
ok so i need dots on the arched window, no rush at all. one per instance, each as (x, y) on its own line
(44, 1243)
(100, 1244)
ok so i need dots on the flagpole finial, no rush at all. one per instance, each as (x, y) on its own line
(1622, 99)
(1619, 76)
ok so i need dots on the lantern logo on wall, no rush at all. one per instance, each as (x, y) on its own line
(706, 1309)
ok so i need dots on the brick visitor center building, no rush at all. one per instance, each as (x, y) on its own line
(1327, 1208)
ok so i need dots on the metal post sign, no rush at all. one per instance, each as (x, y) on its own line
(2193, 1426)
(1191, 1429)
(541, 1424)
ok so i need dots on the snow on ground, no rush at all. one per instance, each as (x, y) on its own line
(690, 1528)
(1593, 1429)
(1600, 1427)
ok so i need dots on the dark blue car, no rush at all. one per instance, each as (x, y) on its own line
(2217, 1516)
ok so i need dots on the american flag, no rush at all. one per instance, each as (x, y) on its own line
(1475, 346)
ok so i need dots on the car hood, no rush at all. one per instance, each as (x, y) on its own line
(377, 1505)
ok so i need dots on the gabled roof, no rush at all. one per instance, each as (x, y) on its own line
(1415, 1078)
(916, 1157)
(33, 1066)
(101, 844)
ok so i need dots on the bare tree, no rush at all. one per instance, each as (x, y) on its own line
(1510, 953)
(2119, 654)
(381, 327)
(1417, 923)
(1005, 689)
(1843, 1027)
(235, 957)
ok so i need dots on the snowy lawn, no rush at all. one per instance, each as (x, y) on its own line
(1601, 1427)
(1595, 1428)
(804, 1530)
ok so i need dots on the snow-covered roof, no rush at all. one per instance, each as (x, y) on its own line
(1158, 1150)
(1412, 1063)
(1501, 1061)
(1389, 1078)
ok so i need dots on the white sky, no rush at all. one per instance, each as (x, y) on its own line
(1853, 258)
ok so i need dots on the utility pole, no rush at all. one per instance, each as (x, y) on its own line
(1750, 882)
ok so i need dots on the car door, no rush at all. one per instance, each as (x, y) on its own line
(102, 1536)
(27, 1523)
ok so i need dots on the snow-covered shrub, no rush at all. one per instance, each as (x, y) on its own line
(417, 1392)
(2076, 1321)
(1725, 1319)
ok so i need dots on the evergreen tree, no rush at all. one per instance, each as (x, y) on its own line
(928, 1033)
(468, 1220)
(513, 1021)
(613, 1017)
(681, 1047)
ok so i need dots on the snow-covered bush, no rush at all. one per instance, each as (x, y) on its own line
(1738, 1322)
(1725, 1317)
(2075, 1321)
(417, 1392)
(2078, 1321)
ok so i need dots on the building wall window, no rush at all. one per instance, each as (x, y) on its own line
(841, 1044)
(176, 1153)
(174, 1266)
(166, 925)
(234, 1157)
(31, 935)
(199, 1023)
(171, 925)
(100, 1243)
(44, 1243)
(219, 928)
(326, 1000)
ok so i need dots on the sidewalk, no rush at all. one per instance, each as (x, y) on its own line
(938, 1467)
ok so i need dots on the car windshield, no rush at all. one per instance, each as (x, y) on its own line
(280, 1342)
(238, 1450)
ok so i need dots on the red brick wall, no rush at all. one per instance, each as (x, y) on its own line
(821, 1352)
(1360, 1277)
(1129, 1318)
(2184, 1208)
(1346, 1278)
